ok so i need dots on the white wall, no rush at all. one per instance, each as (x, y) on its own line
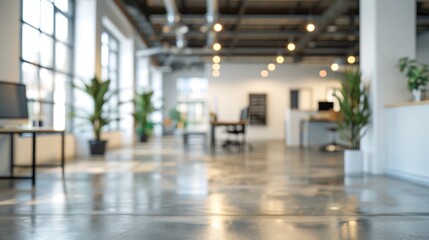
(9, 40)
(408, 151)
(385, 38)
(230, 91)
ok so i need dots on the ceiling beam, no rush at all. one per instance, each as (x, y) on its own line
(265, 34)
(133, 21)
(245, 51)
(328, 17)
(240, 13)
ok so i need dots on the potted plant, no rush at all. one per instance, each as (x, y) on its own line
(355, 115)
(417, 74)
(143, 106)
(179, 121)
(99, 93)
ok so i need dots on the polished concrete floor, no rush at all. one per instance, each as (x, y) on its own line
(160, 191)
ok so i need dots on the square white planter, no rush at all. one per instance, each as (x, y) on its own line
(353, 162)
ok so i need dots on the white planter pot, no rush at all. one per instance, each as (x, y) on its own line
(417, 95)
(353, 162)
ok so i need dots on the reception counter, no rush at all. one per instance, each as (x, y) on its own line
(408, 141)
(304, 130)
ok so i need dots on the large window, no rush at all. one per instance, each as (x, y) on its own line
(110, 70)
(191, 101)
(46, 58)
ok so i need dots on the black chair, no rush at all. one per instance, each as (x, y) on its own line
(239, 131)
(333, 146)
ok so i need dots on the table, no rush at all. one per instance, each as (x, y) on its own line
(34, 132)
(213, 126)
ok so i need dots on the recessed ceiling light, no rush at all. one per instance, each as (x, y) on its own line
(216, 59)
(216, 66)
(291, 46)
(216, 73)
(351, 59)
(166, 29)
(217, 27)
(217, 46)
(264, 73)
(310, 27)
(323, 73)
(271, 67)
(335, 67)
(280, 59)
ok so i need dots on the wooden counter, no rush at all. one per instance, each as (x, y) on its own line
(405, 104)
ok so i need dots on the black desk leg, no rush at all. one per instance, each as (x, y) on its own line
(62, 152)
(12, 152)
(33, 159)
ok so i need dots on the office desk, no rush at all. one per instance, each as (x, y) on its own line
(213, 126)
(34, 132)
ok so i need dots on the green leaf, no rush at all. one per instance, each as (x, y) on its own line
(354, 107)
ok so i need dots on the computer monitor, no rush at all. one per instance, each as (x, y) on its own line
(13, 105)
(326, 106)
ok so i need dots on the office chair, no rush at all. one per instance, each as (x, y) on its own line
(238, 130)
(333, 146)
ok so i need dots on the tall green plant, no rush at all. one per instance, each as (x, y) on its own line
(143, 108)
(417, 73)
(355, 110)
(100, 95)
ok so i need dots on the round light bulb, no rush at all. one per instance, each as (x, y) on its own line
(271, 67)
(217, 46)
(323, 73)
(264, 73)
(280, 59)
(291, 46)
(311, 27)
(216, 73)
(216, 66)
(216, 59)
(351, 59)
(335, 67)
(166, 29)
(217, 27)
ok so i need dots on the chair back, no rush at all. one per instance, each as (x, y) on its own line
(244, 114)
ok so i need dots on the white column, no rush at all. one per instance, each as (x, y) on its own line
(387, 33)
(84, 64)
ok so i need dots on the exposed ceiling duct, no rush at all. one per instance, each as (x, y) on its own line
(212, 17)
(174, 23)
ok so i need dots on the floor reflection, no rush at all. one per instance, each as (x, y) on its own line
(160, 191)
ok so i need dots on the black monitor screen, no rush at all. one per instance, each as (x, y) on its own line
(326, 106)
(13, 101)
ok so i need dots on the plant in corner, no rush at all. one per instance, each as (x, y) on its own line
(99, 93)
(355, 115)
(417, 74)
(143, 106)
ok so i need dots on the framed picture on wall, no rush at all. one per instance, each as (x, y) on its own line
(301, 99)
(258, 109)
